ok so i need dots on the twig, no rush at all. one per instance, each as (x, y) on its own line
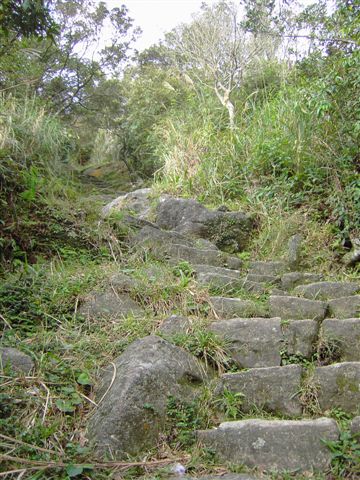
(89, 399)
(47, 401)
(20, 442)
(111, 383)
(5, 321)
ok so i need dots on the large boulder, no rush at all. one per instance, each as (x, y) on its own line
(230, 231)
(138, 202)
(132, 414)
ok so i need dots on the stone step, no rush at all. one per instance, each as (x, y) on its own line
(253, 342)
(109, 304)
(296, 308)
(226, 308)
(268, 268)
(293, 279)
(275, 389)
(279, 445)
(224, 283)
(326, 290)
(210, 269)
(300, 338)
(338, 386)
(343, 336)
(271, 279)
(345, 307)
(254, 287)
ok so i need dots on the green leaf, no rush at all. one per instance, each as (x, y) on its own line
(84, 379)
(65, 405)
(74, 470)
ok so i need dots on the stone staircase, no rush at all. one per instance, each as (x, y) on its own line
(307, 319)
(294, 342)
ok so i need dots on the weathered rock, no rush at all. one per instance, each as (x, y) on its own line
(293, 279)
(268, 268)
(138, 201)
(355, 426)
(16, 360)
(294, 251)
(345, 335)
(338, 386)
(278, 292)
(273, 389)
(123, 283)
(271, 279)
(109, 304)
(345, 307)
(296, 308)
(132, 414)
(326, 290)
(193, 255)
(152, 236)
(274, 444)
(226, 308)
(223, 283)
(233, 262)
(175, 324)
(300, 337)
(230, 231)
(254, 287)
(253, 342)
(206, 269)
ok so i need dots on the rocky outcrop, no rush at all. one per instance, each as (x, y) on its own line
(15, 360)
(134, 393)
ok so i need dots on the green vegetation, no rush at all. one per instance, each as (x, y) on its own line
(269, 124)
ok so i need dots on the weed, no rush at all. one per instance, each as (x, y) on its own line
(230, 404)
(345, 455)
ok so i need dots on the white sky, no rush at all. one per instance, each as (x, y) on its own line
(156, 17)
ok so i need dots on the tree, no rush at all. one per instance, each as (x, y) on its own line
(216, 50)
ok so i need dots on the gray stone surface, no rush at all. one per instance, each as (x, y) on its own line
(293, 279)
(267, 268)
(233, 262)
(274, 444)
(254, 287)
(223, 283)
(338, 386)
(226, 308)
(175, 324)
(355, 427)
(274, 389)
(109, 304)
(230, 231)
(132, 415)
(271, 279)
(253, 342)
(138, 201)
(123, 283)
(152, 236)
(296, 308)
(345, 307)
(294, 251)
(193, 255)
(278, 292)
(346, 335)
(16, 360)
(326, 290)
(204, 269)
(300, 337)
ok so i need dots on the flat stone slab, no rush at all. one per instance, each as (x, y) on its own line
(293, 279)
(300, 337)
(271, 279)
(345, 334)
(295, 308)
(224, 283)
(274, 389)
(110, 304)
(193, 255)
(254, 287)
(268, 268)
(134, 392)
(273, 444)
(327, 290)
(175, 324)
(253, 342)
(338, 386)
(16, 360)
(210, 269)
(345, 307)
(235, 307)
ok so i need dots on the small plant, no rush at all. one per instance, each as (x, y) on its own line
(230, 403)
(328, 351)
(345, 454)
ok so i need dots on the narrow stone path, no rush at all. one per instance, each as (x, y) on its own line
(296, 352)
